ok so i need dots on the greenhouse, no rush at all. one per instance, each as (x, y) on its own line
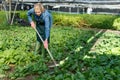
(73, 6)
(59, 39)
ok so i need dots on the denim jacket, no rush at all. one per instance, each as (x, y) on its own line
(47, 18)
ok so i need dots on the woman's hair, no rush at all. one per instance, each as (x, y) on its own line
(39, 6)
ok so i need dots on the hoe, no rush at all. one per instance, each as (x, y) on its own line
(55, 64)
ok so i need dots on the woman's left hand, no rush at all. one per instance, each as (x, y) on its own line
(46, 44)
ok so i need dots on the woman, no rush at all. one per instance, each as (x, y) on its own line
(43, 25)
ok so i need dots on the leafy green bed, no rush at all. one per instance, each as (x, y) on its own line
(75, 20)
(85, 60)
(85, 20)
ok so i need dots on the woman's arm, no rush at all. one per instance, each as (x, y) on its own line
(29, 14)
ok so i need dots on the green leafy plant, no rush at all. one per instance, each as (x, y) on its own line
(116, 24)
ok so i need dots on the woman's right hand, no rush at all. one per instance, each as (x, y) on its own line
(32, 25)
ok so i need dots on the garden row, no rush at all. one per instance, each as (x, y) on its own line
(76, 20)
(17, 60)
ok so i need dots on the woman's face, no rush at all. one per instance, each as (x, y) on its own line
(37, 11)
